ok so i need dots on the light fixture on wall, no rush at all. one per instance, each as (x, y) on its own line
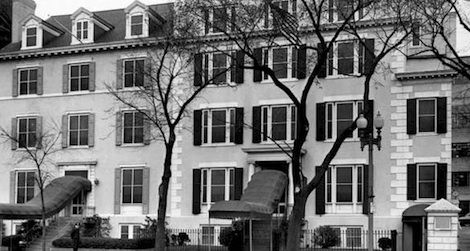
(96, 181)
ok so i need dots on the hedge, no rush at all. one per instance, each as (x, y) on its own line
(106, 243)
(13, 240)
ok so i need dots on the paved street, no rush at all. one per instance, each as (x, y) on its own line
(464, 239)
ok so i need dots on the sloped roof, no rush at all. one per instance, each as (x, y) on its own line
(115, 18)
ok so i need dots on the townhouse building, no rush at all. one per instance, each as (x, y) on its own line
(55, 75)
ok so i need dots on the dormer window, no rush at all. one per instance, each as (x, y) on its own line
(137, 25)
(82, 30)
(31, 36)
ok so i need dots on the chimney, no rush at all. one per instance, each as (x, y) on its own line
(21, 9)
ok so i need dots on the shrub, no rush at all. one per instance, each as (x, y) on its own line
(385, 243)
(232, 237)
(96, 226)
(12, 240)
(325, 237)
(106, 243)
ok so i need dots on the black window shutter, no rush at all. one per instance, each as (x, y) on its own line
(411, 116)
(330, 10)
(321, 121)
(207, 23)
(197, 127)
(370, 119)
(196, 191)
(320, 49)
(361, 9)
(369, 56)
(256, 124)
(198, 69)
(238, 183)
(365, 190)
(320, 194)
(239, 70)
(411, 182)
(302, 62)
(258, 54)
(441, 181)
(441, 115)
(239, 125)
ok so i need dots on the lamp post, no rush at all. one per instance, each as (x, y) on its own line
(368, 139)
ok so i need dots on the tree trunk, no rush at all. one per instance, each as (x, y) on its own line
(160, 238)
(295, 221)
(43, 221)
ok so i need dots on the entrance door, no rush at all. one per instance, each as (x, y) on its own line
(417, 236)
(79, 202)
(278, 166)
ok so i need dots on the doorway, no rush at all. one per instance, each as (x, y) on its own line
(414, 221)
(278, 166)
(78, 205)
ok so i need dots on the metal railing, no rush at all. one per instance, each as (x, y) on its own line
(347, 239)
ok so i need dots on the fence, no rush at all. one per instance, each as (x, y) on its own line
(208, 239)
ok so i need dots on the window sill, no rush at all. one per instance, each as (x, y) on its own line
(270, 142)
(346, 140)
(218, 144)
(341, 76)
(424, 134)
(225, 84)
(284, 80)
(427, 200)
(78, 147)
(77, 92)
(133, 145)
(27, 95)
(22, 149)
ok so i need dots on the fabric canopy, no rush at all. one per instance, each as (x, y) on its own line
(414, 213)
(259, 200)
(56, 196)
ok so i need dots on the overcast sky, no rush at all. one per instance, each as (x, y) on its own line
(46, 8)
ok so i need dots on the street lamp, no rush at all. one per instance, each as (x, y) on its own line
(367, 138)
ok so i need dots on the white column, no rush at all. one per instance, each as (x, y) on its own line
(251, 170)
(290, 191)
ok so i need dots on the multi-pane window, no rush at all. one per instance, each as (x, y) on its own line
(465, 206)
(31, 36)
(219, 20)
(460, 150)
(346, 58)
(289, 6)
(340, 115)
(137, 24)
(27, 130)
(282, 60)
(132, 185)
(207, 235)
(133, 131)
(426, 181)
(28, 81)
(24, 186)
(134, 72)
(460, 179)
(219, 67)
(278, 122)
(416, 33)
(349, 236)
(218, 126)
(427, 115)
(82, 30)
(78, 130)
(217, 184)
(130, 231)
(344, 8)
(344, 184)
(79, 77)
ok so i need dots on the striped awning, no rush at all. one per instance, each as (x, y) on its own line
(57, 195)
(259, 200)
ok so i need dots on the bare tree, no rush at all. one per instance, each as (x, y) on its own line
(313, 28)
(37, 150)
(162, 98)
(5, 22)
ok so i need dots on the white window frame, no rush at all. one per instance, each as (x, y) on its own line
(356, 61)
(291, 73)
(80, 32)
(336, 14)
(134, 112)
(343, 243)
(135, 24)
(136, 11)
(133, 169)
(290, 9)
(211, 20)
(208, 58)
(79, 77)
(418, 181)
(27, 132)
(217, 229)
(26, 184)
(289, 122)
(130, 228)
(334, 124)
(36, 44)
(207, 128)
(418, 115)
(344, 207)
(134, 72)
(208, 173)
(28, 81)
(79, 130)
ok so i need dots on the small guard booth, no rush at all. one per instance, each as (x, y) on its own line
(258, 203)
